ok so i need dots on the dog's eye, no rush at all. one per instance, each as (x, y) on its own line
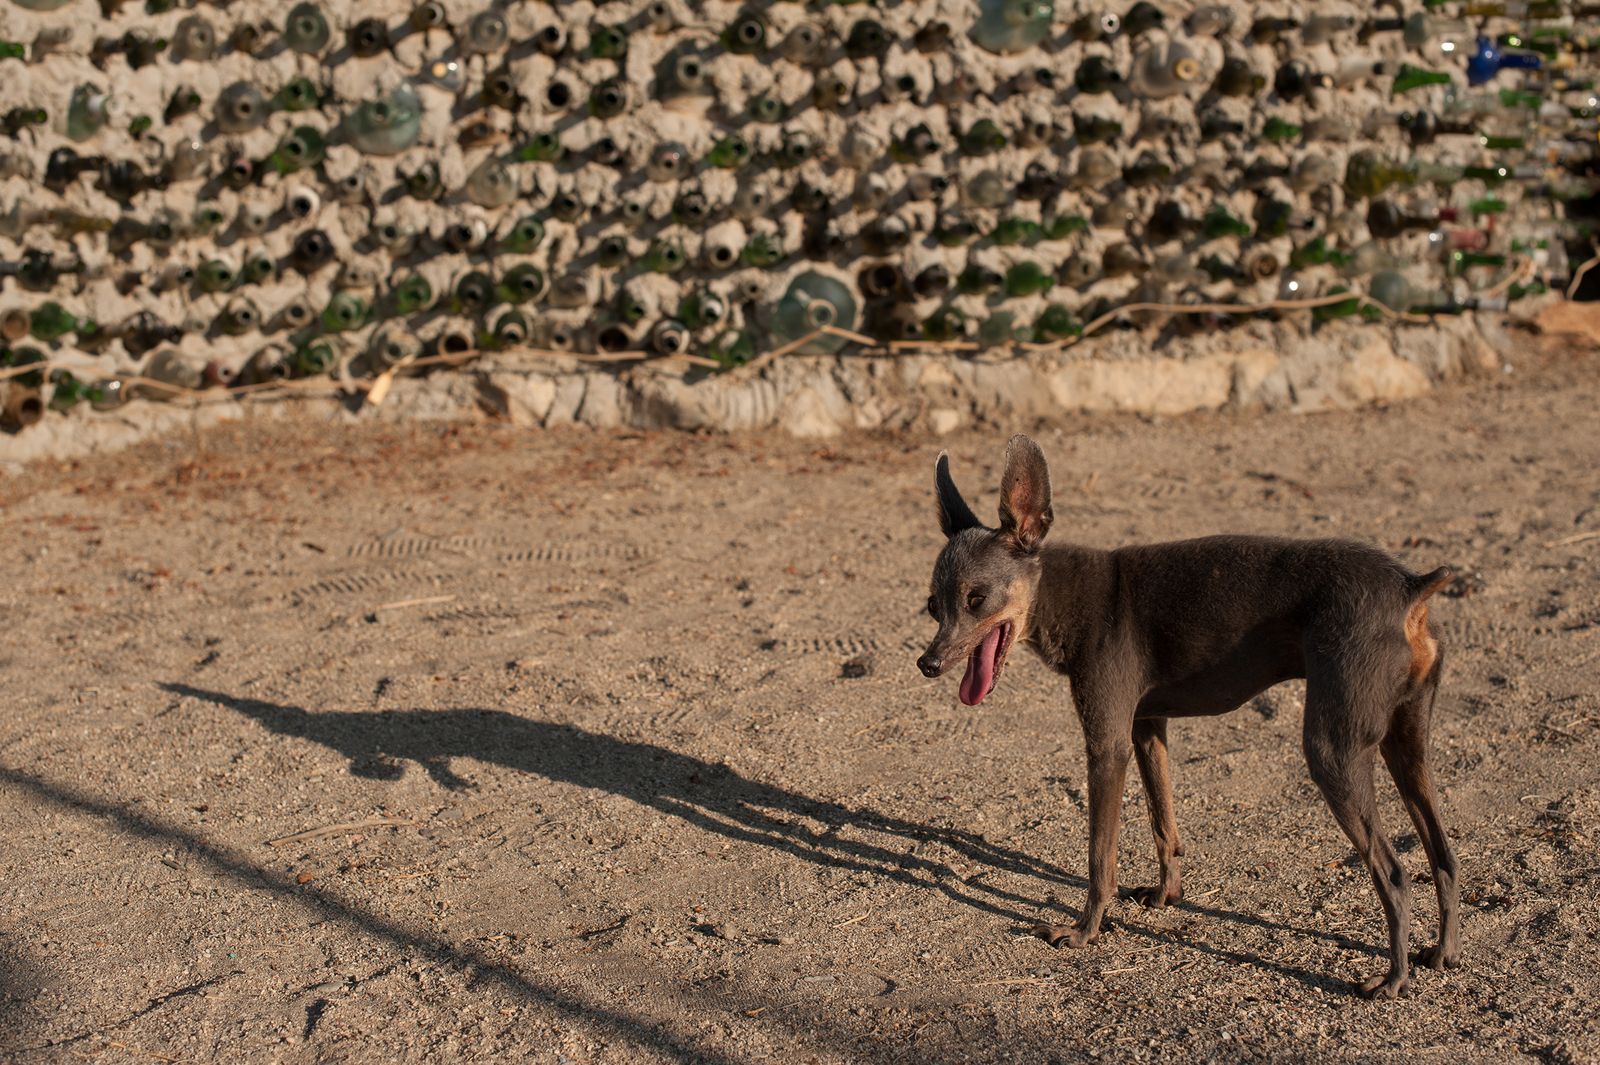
(974, 601)
(932, 613)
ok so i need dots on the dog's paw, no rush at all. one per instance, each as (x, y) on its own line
(1389, 985)
(1438, 957)
(1154, 898)
(1065, 935)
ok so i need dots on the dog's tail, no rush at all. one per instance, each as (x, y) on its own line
(1419, 633)
(1425, 584)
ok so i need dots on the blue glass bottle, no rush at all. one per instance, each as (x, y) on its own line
(1488, 59)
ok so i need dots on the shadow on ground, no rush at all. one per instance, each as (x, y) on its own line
(712, 797)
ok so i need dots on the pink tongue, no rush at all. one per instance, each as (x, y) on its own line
(979, 678)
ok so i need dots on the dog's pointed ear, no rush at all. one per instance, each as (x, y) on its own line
(954, 514)
(1025, 513)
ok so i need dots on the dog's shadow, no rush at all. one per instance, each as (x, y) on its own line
(707, 795)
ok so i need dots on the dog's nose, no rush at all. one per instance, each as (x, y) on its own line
(929, 664)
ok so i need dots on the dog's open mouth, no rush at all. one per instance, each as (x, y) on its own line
(985, 663)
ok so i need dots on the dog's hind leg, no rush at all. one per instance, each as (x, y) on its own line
(1405, 752)
(1150, 751)
(1341, 755)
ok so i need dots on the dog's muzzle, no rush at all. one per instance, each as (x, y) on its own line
(930, 664)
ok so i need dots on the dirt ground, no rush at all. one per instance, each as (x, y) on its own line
(479, 744)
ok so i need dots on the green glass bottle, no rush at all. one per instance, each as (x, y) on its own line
(13, 50)
(1497, 142)
(256, 269)
(765, 109)
(410, 295)
(184, 101)
(1459, 261)
(1216, 125)
(1315, 252)
(732, 347)
(1366, 175)
(983, 137)
(976, 278)
(473, 293)
(313, 359)
(1278, 130)
(944, 324)
(1027, 279)
(66, 390)
(954, 232)
(867, 39)
(700, 310)
(1096, 75)
(1095, 129)
(51, 321)
(1219, 269)
(18, 119)
(609, 98)
(1409, 77)
(729, 153)
(664, 256)
(216, 275)
(301, 147)
(1016, 231)
(1220, 222)
(344, 311)
(1141, 18)
(1056, 322)
(510, 330)
(1351, 307)
(762, 249)
(297, 94)
(1238, 78)
(1062, 226)
(526, 235)
(521, 284)
(541, 147)
(1487, 205)
(607, 42)
(1273, 218)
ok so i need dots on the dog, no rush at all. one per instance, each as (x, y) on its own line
(1200, 627)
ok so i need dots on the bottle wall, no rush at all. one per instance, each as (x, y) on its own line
(238, 192)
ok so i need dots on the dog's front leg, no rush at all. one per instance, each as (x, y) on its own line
(1108, 744)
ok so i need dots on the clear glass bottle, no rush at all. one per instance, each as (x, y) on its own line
(1164, 69)
(1006, 26)
(195, 40)
(491, 184)
(486, 33)
(388, 125)
(89, 111)
(812, 301)
(306, 29)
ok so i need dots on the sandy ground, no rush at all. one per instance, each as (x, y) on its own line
(471, 743)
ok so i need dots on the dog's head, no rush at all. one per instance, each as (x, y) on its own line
(984, 580)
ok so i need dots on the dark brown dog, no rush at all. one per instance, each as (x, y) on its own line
(1201, 627)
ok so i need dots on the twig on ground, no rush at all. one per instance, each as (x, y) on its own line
(340, 829)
